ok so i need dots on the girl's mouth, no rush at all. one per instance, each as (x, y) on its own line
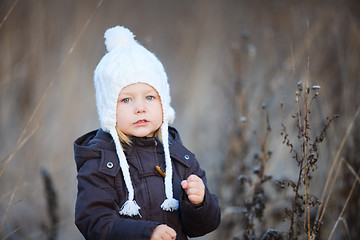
(142, 122)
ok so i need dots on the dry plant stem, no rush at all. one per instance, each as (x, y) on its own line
(10, 202)
(11, 233)
(17, 148)
(299, 177)
(345, 205)
(264, 153)
(305, 154)
(294, 204)
(260, 175)
(330, 192)
(335, 162)
(346, 228)
(306, 136)
(307, 201)
(8, 13)
(292, 58)
(352, 170)
(43, 97)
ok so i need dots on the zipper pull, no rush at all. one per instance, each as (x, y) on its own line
(158, 169)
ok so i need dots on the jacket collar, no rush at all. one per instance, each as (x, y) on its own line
(99, 144)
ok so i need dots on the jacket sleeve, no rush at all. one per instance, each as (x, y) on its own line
(203, 219)
(97, 213)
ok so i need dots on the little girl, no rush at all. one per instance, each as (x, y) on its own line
(135, 178)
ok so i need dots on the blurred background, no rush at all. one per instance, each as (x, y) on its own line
(229, 62)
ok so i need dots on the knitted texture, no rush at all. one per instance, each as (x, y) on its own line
(127, 62)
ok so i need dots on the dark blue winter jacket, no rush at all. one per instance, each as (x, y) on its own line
(102, 191)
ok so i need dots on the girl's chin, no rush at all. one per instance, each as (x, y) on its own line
(143, 134)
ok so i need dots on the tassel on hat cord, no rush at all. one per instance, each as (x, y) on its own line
(130, 208)
(170, 204)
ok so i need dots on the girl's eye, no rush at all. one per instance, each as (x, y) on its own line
(149, 98)
(125, 100)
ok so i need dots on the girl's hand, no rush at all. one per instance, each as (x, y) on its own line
(163, 232)
(194, 188)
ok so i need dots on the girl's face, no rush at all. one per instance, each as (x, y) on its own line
(139, 110)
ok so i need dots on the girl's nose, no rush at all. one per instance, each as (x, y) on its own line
(140, 108)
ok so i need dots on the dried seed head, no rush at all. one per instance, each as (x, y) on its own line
(280, 183)
(243, 179)
(242, 119)
(316, 87)
(300, 85)
(297, 96)
(266, 178)
(316, 94)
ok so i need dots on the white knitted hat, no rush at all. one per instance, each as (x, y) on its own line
(127, 62)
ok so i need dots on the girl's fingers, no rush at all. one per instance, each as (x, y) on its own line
(198, 185)
(194, 191)
(194, 188)
(192, 181)
(194, 178)
(195, 199)
(163, 232)
(171, 232)
(184, 184)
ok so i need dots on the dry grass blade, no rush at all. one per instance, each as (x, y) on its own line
(346, 226)
(11, 233)
(17, 148)
(83, 30)
(345, 205)
(352, 170)
(9, 204)
(57, 72)
(43, 97)
(330, 192)
(336, 160)
(8, 13)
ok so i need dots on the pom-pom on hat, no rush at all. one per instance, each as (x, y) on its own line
(127, 62)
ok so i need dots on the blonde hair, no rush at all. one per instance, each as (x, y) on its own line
(124, 139)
